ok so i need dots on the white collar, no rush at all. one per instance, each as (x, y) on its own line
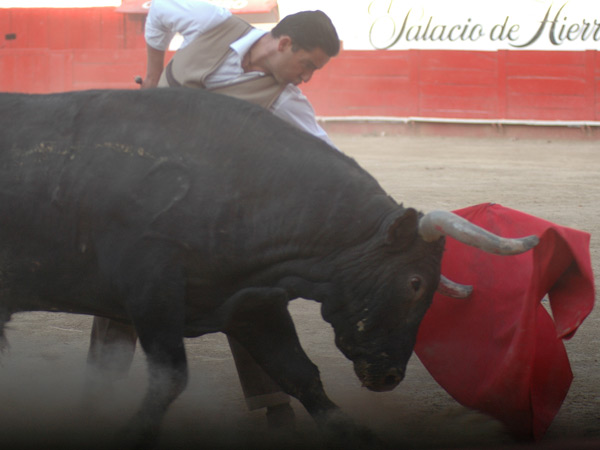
(243, 44)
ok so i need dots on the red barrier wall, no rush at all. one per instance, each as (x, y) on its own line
(50, 50)
(459, 84)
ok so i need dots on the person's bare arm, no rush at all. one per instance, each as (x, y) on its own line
(154, 66)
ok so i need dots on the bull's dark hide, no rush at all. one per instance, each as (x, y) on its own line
(185, 212)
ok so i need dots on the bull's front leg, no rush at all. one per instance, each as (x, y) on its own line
(261, 322)
(156, 308)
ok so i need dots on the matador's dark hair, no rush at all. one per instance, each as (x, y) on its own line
(309, 30)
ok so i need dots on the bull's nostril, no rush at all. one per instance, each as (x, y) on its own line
(391, 380)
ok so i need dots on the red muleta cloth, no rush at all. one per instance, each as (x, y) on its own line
(500, 351)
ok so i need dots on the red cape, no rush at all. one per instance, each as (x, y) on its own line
(500, 351)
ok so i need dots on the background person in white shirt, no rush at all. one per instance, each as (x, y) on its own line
(285, 57)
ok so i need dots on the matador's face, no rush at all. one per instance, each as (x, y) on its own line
(295, 65)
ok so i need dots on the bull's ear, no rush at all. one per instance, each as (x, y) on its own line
(403, 228)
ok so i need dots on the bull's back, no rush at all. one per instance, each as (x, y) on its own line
(217, 174)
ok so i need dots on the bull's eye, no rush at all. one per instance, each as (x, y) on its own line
(415, 283)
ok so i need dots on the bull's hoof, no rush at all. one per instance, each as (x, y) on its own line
(281, 417)
(341, 432)
(138, 435)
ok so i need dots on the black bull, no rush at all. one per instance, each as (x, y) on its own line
(185, 213)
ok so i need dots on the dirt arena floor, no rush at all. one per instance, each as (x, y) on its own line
(41, 378)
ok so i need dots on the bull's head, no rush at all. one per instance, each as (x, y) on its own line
(388, 285)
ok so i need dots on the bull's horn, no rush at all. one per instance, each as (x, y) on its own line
(451, 289)
(436, 224)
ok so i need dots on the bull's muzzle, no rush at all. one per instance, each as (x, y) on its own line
(376, 379)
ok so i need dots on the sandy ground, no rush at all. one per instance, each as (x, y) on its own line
(41, 378)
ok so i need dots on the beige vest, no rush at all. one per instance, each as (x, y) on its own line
(192, 64)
